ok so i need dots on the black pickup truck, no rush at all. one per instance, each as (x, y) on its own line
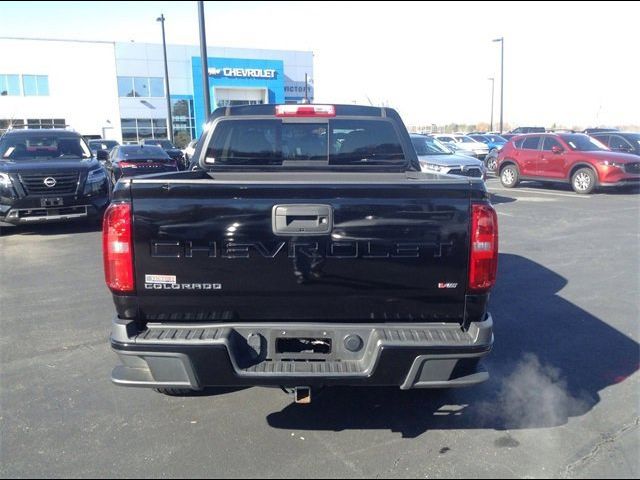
(306, 249)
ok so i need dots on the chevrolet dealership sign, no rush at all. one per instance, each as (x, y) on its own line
(242, 72)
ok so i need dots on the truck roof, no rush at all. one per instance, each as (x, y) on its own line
(269, 110)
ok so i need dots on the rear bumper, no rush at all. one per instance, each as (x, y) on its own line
(229, 355)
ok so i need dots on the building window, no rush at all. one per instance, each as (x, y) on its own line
(129, 130)
(9, 85)
(35, 85)
(156, 85)
(6, 124)
(125, 87)
(146, 87)
(141, 87)
(135, 130)
(184, 125)
(39, 123)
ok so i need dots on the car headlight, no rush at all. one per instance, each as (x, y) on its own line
(96, 176)
(5, 181)
(434, 168)
(611, 163)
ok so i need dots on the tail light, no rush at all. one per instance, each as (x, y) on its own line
(305, 111)
(483, 263)
(128, 165)
(117, 248)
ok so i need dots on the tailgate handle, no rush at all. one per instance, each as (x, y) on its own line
(300, 220)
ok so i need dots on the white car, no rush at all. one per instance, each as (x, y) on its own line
(464, 145)
(437, 158)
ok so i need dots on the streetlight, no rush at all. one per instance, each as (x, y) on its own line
(166, 80)
(493, 85)
(205, 62)
(501, 40)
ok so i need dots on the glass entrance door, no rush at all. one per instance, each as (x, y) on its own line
(229, 97)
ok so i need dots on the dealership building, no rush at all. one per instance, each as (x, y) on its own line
(116, 90)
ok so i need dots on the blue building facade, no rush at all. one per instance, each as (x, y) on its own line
(237, 81)
(236, 76)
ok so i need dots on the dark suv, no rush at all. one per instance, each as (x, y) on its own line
(624, 142)
(49, 175)
(523, 130)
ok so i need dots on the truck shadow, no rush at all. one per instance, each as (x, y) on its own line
(498, 199)
(67, 228)
(550, 363)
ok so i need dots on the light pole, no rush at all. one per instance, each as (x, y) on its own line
(205, 63)
(501, 40)
(306, 89)
(493, 85)
(166, 80)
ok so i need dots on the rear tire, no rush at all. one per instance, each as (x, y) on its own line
(583, 181)
(510, 176)
(491, 162)
(175, 392)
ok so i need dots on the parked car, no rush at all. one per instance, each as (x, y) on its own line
(49, 175)
(189, 150)
(309, 250)
(590, 131)
(459, 149)
(624, 142)
(508, 136)
(173, 151)
(494, 142)
(523, 130)
(573, 158)
(135, 160)
(437, 158)
(463, 143)
(107, 145)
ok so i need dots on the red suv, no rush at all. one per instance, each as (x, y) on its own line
(571, 158)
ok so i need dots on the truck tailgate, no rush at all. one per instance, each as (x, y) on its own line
(395, 248)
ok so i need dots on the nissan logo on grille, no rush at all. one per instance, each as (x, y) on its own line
(50, 182)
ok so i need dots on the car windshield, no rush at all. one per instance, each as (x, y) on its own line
(429, 146)
(96, 145)
(43, 146)
(495, 139)
(139, 152)
(465, 139)
(583, 143)
(166, 144)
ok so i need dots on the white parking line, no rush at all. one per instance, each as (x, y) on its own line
(539, 192)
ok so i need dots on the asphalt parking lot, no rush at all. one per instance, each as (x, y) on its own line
(563, 399)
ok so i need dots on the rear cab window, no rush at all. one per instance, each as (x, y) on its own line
(333, 142)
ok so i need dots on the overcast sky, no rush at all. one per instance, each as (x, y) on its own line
(573, 63)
